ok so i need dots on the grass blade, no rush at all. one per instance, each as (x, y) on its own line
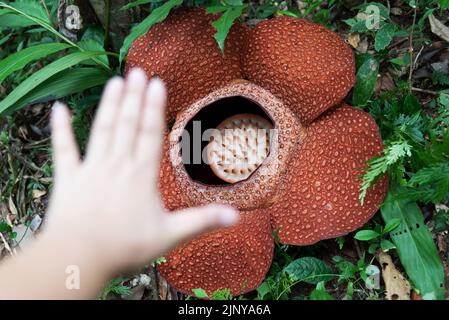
(45, 73)
(49, 28)
(20, 59)
(63, 84)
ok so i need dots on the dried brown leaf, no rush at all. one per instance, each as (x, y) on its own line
(438, 28)
(354, 39)
(397, 287)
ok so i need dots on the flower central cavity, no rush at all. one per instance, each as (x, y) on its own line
(238, 146)
(226, 141)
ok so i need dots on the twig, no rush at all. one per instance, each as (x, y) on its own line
(410, 48)
(8, 248)
(435, 93)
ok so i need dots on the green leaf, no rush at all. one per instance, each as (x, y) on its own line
(156, 16)
(216, 9)
(402, 61)
(63, 84)
(263, 290)
(200, 293)
(366, 235)
(4, 227)
(93, 45)
(391, 225)
(365, 81)
(7, 105)
(415, 246)
(386, 245)
(320, 293)
(137, 3)
(430, 184)
(224, 24)
(384, 36)
(20, 59)
(308, 269)
(221, 294)
(265, 10)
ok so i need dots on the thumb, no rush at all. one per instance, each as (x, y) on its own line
(188, 223)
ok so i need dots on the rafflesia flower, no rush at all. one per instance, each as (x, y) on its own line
(301, 181)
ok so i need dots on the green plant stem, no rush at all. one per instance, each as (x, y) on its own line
(412, 65)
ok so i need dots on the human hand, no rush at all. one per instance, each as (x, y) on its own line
(109, 201)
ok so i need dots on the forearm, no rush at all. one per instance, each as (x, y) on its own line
(52, 268)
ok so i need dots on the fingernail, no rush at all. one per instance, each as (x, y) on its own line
(114, 82)
(157, 87)
(228, 217)
(137, 75)
(58, 109)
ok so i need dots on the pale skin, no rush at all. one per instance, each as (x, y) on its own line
(105, 214)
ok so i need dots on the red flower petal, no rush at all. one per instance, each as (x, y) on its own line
(320, 196)
(235, 258)
(306, 65)
(182, 51)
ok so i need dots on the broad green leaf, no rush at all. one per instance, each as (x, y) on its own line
(156, 16)
(384, 36)
(415, 246)
(308, 269)
(366, 235)
(382, 9)
(365, 81)
(224, 24)
(200, 293)
(263, 290)
(216, 9)
(32, 8)
(92, 45)
(265, 10)
(391, 225)
(233, 2)
(94, 33)
(402, 61)
(138, 3)
(4, 227)
(320, 293)
(444, 4)
(63, 84)
(43, 74)
(443, 99)
(386, 245)
(12, 21)
(20, 59)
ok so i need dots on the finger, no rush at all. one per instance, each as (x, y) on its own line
(189, 223)
(130, 111)
(65, 151)
(101, 136)
(151, 127)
